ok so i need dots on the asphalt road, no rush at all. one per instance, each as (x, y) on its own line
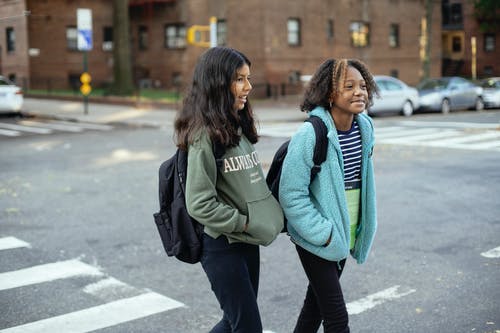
(83, 201)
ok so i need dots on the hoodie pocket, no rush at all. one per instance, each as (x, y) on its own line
(265, 219)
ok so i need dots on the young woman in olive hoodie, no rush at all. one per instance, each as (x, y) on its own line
(335, 214)
(231, 198)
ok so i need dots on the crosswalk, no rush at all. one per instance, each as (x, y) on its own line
(135, 305)
(43, 127)
(120, 302)
(469, 136)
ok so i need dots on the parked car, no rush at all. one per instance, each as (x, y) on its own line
(491, 92)
(449, 93)
(395, 96)
(11, 96)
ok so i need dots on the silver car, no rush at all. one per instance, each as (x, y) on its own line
(449, 93)
(491, 92)
(395, 96)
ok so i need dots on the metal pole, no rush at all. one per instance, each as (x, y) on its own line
(85, 97)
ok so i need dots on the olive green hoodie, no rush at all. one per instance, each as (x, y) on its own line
(225, 200)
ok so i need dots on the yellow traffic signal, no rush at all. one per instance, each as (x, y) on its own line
(199, 35)
(203, 35)
(85, 79)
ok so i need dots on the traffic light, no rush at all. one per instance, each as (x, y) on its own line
(203, 35)
(85, 79)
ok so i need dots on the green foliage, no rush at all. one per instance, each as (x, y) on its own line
(487, 13)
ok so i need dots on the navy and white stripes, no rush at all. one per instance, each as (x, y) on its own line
(350, 144)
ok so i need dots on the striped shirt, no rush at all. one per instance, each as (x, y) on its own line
(350, 144)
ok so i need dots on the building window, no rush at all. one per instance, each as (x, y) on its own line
(175, 36)
(456, 13)
(293, 27)
(489, 42)
(72, 38)
(143, 37)
(221, 32)
(10, 36)
(451, 13)
(107, 39)
(360, 34)
(329, 29)
(394, 35)
(456, 44)
(488, 71)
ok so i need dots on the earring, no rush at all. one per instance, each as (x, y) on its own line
(330, 105)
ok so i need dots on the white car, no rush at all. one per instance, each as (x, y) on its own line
(395, 96)
(491, 92)
(11, 96)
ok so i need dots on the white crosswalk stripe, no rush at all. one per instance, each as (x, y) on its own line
(133, 304)
(142, 303)
(467, 136)
(21, 127)
(101, 316)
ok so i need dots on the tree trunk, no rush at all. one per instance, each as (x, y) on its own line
(122, 84)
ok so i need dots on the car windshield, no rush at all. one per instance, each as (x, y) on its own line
(437, 84)
(490, 84)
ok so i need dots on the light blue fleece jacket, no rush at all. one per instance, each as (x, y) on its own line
(315, 211)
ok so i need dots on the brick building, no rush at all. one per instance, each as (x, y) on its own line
(459, 29)
(284, 39)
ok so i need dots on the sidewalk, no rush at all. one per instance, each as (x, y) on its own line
(267, 111)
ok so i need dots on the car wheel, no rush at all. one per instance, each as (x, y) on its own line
(479, 104)
(407, 109)
(445, 106)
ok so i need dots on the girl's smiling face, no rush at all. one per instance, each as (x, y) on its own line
(353, 94)
(241, 87)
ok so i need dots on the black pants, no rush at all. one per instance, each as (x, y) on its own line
(233, 272)
(324, 300)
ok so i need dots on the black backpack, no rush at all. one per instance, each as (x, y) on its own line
(180, 234)
(321, 145)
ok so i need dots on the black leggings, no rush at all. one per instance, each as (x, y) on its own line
(324, 300)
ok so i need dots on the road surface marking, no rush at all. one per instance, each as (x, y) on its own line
(421, 137)
(388, 129)
(99, 127)
(30, 129)
(451, 124)
(59, 127)
(404, 133)
(7, 243)
(109, 287)
(101, 316)
(466, 138)
(45, 273)
(7, 132)
(373, 300)
(493, 253)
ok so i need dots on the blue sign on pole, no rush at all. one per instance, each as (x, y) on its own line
(84, 27)
(84, 40)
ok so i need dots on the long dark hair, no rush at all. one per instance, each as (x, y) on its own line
(209, 103)
(326, 83)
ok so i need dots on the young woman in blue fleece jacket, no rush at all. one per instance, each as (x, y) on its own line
(335, 214)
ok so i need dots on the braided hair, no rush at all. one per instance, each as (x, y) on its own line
(327, 82)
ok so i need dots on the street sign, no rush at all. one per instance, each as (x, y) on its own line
(84, 27)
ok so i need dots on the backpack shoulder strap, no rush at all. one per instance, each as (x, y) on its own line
(219, 151)
(321, 145)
